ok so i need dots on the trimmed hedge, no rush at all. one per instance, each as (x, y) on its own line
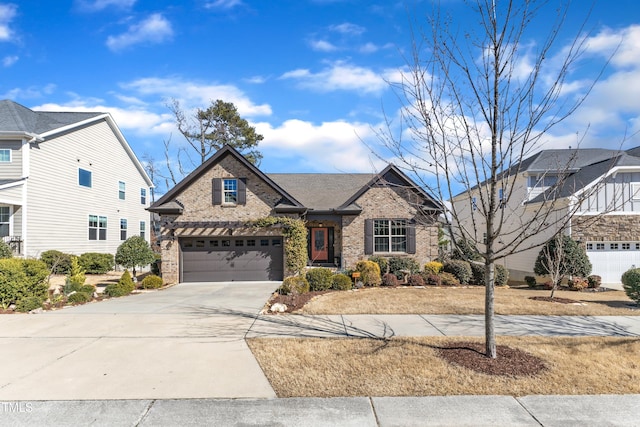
(382, 262)
(22, 278)
(58, 262)
(124, 286)
(631, 284)
(151, 282)
(341, 282)
(433, 267)
(96, 263)
(294, 285)
(460, 269)
(389, 279)
(397, 264)
(320, 279)
(431, 279)
(415, 280)
(448, 279)
(5, 250)
(369, 273)
(79, 298)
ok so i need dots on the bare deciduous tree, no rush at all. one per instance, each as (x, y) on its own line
(476, 103)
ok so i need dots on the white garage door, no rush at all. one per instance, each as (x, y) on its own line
(611, 259)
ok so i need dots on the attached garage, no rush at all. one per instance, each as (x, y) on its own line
(611, 259)
(223, 259)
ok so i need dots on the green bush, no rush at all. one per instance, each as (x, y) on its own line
(397, 264)
(530, 281)
(124, 286)
(501, 275)
(477, 273)
(21, 278)
(631, 284)
(460, 269)
(57, 262)
(369, 273)
(433, 267)
(577, 284)
(75, 278)
(79, 298)
(26, 304)
(341, 282)
(294, 285)
(151, 282)
(594, 281)
(448, 279)
(382, 262)
(320, 279)
(572, 260)
(134, 252)
(5, 250)
(96, 263)
(415, 280)
(389, 279)
(431, 279)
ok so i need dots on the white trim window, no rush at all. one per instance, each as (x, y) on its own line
(230, 191)
(123, 229)
(390, 235)
(97, 227)
(143, 229)
(143, 196)
(5, 155)
(5, 221)
(635, 191)
(121, 190)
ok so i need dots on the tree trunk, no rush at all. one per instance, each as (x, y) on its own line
(490, 333)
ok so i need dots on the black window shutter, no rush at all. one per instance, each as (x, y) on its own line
(411, 238)
(217, 191)
(242, 191)
(368, 236)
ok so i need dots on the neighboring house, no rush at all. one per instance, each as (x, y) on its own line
(68, 181)
(349, 217)
(603, 188)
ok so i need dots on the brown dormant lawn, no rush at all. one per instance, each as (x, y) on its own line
(469, 300)
(411, 367)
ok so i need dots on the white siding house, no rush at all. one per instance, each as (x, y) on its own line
(72, 182)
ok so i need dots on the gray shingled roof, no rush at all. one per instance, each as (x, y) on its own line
(18, 118)
(319, 191)
(548, 160)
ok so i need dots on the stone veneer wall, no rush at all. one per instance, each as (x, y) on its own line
(607, 228)
(381, 203)
(197, 200)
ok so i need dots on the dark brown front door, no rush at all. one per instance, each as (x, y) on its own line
(319, 246)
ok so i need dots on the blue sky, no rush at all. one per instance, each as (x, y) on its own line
(311, 75)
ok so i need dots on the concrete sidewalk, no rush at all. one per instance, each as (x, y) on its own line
(386, 326)
(477, 411)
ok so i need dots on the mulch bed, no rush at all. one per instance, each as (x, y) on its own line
(294, 302)
(510, 362)
(556, 299)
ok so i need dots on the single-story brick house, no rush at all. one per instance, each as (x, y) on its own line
(206, 236)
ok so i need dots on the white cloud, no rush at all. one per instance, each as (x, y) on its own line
(223, 4)
(347, 28)
(195, 94)
(98, 5)
(339, 144)
(7, 13)
(155, 29)
(8, 61)
(322, 46)
(29, 93)
(340, 76)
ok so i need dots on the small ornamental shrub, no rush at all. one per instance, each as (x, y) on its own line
(21, 278)
(382, 262)
(477, 274)
(397, 264)
(79, 298)
(389, 279)
(320, 279)
(5, 250)
(415, 280)
(577, 284)
(631, 284)
(594, 281)
(294, 285)
(431, 279)
(151, 282)
(134, 252)
(433, 267)
(501, 275)
(124, 286)
(369, 273)
(96, 263)
(448, 279)
(530, 281)
(58, 262)
(341, 282)
(548, 285)
(76, 277)
(27, 304)
(460, 269)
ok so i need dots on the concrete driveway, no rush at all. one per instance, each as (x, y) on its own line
(183, 342)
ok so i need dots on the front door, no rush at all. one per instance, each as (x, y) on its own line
(319, 246)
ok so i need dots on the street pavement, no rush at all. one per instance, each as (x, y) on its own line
(179, 357)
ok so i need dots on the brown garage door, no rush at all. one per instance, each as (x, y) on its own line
(231, 259)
